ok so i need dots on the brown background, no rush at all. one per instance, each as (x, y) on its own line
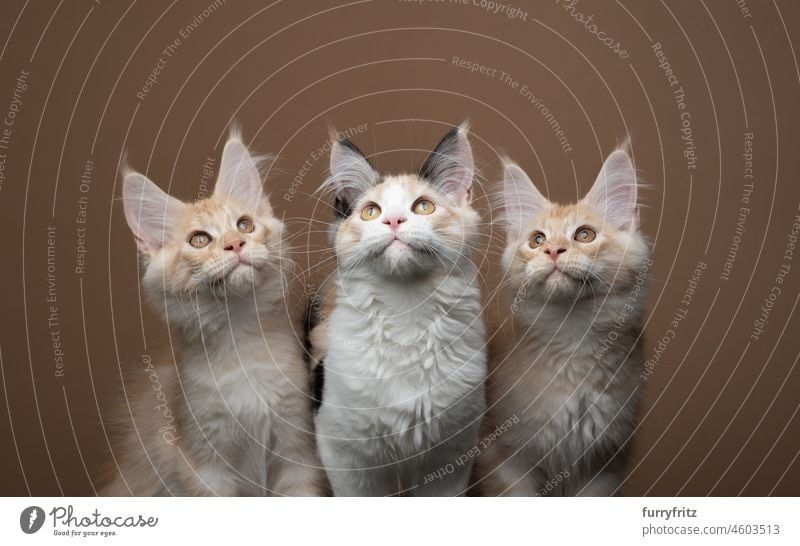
(721, 410)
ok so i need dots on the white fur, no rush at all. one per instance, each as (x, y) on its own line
(406, 356)
(403, 386)
(245, 388)
(570, 405)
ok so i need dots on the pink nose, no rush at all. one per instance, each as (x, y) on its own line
(394, 222)
(234, 245)
(554, 250)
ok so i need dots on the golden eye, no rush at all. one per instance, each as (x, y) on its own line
(585, 235)
(370, 212)
(245, 225)
(199, 239)
(423, 206)
(537, 239)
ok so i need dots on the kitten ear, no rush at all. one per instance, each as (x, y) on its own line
(151, 213)
(614, 191)
(351, 176)
(239, 179)
(450, 166)
(521, 201)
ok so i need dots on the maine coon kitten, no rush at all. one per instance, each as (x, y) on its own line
(232, 415)
(404, 342)
(564, 382)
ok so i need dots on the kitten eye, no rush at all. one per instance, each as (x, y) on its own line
(537, 239)
(199, 239)
(423, 206)
(245, 225)
(585, 235)
(370, 212)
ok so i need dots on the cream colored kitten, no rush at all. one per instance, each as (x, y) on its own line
(232, 414)
(564, 381)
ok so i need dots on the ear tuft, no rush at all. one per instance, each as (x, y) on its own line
(351, 176)
(522, 202)
(239, 178)
(151, 213)
(614, 192)
(450, 165)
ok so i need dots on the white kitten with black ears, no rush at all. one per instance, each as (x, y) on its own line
(405, 339)
(233, 415)
(564, 382)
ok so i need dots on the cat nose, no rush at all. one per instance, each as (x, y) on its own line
(554, 250)
(394, 222)
(234, 245)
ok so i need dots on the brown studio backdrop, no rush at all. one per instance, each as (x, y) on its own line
(720, 411)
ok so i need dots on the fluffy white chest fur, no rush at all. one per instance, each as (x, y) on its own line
(574, 395)
(248, 395)
(572, 403)
(244, 379)
(403, 385)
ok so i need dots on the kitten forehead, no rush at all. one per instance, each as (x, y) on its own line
(201, 213)
(405, 180)
(395, 188)
(207, 207)
(575, 213)
(394, 192)
(205, 213)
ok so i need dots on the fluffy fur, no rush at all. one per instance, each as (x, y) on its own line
(403, 343)
(232, 414)
(564, 381)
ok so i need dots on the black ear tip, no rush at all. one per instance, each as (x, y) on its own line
(352, 148)
(452, 134)
(347, 143)
(428, 169)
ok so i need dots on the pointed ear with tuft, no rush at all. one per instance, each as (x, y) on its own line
(151, 214)
(613, 194)
(351, 176)
(450, 166)
(521, 201)
(239, 179)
